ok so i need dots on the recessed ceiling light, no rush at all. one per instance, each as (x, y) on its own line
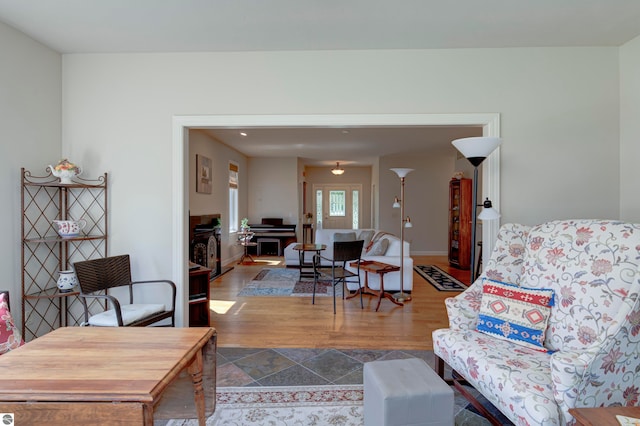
(243, 134)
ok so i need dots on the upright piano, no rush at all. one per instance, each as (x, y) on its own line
(274, 228)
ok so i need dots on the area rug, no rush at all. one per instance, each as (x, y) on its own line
(285, 282)
(439, 278)
(286, 406)
(303, 405)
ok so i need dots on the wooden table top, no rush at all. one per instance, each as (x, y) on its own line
(99, 363)
(375, 266)
(310, 247)
(603, 416)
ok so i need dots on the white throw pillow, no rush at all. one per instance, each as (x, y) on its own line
(366, 235)
(379, 248)
(344, 236)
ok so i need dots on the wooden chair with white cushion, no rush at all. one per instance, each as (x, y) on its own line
(98, 277)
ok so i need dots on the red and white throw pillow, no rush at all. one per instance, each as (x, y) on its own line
(514, 313)
(10, 337)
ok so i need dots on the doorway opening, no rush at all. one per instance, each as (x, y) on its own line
(490, 124)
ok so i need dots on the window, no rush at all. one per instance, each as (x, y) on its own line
(355, 205)
(337, 203)
(319, 207)
(233, 197)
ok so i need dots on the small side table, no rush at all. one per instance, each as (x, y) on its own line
(379, 268)
(602, 416)
(244, 239)
(246, 255)
(301, 249)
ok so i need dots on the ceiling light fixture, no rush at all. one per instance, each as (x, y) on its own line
(337, 170)
(243, 134)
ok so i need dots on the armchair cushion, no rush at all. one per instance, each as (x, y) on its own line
(512, 377)
(515, 313)
(10, 337)
(130, 314)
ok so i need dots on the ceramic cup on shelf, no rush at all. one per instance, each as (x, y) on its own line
(67, 281)
(70, 228)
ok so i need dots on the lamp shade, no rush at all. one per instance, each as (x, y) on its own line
(488, 212)
(337, 170)
(476, 149)
(401, 172)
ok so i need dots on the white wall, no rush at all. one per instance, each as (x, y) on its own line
(218, 201)
(30, 129)
(426, 199)
(273, 189)
(558, 106)
(630, 130)
(352, 175)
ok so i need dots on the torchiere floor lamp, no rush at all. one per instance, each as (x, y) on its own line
(476, 149)
(404, 223)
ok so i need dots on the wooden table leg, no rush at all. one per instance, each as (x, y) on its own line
(385, 294)
(195, 370)
(381, 292)
(364, 289)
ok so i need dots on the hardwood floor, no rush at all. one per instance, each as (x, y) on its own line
(293, 322)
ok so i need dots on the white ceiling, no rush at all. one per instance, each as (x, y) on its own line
(354, 146)
(103, 26)
(91, 26)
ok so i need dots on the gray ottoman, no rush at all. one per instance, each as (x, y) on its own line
(405, 392)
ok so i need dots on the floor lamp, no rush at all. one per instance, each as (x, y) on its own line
(476, 149)
(404, 223)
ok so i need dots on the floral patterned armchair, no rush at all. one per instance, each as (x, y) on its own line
(593, 332)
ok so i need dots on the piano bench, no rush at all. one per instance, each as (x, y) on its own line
(262, 240)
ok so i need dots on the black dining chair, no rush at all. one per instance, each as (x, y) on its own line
(343, 252)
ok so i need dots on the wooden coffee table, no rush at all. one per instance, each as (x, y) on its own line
(380, 268)
(101, 375)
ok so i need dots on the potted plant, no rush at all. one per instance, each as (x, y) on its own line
(244, 225)
(309, 216)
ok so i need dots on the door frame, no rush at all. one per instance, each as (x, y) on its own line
(181, 124)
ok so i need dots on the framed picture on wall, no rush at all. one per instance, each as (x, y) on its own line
(203, 174)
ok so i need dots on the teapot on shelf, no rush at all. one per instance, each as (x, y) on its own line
(70, 228)
(65, 170)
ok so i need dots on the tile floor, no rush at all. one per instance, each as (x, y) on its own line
(300, 367)
(308, 367)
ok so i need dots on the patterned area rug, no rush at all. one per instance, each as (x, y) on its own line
(302, 405)
(439, 278)
(285, 282)
(286, 406)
